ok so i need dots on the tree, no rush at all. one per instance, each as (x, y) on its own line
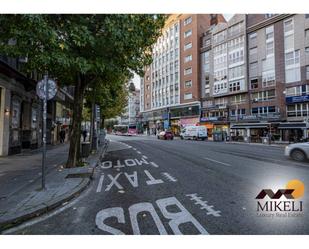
(78, 49)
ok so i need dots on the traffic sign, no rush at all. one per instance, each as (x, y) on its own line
(51, 89)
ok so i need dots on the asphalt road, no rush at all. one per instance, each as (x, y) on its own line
(150, 186)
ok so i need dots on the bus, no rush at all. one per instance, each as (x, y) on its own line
(125, 130)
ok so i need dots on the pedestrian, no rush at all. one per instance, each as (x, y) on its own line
(84, 134)
(62, 135)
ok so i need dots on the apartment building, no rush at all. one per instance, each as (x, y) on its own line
(278, 83)
(226, 87)
(171, 85)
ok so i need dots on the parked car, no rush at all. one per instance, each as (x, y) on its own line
(194, 132)
(166, 135)
(297, 151)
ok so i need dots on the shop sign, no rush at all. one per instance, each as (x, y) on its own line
(189, 121)
(297, 99)
(205, 119)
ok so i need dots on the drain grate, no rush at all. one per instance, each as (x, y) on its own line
(79, 175)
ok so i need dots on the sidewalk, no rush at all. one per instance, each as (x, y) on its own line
(261, 144)
(28, 200)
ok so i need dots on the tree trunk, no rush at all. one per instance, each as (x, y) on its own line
(74, 151)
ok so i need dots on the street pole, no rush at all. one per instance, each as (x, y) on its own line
(44, 130)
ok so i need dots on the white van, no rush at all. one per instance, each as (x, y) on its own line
(194, 132)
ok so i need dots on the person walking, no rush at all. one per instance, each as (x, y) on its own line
(62, 135)
(84, 134)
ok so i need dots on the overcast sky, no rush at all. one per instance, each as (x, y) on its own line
(137, 79)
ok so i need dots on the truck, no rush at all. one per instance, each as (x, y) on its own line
(194, 132)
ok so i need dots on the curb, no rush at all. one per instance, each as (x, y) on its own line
(81, 187)
(18, 220)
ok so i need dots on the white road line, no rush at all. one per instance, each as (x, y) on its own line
(145, 157)
(139, 152)
(154, 164)
(99, 188)
(226, 164)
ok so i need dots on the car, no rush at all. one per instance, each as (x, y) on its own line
(194, 132)
(166, 135)
(298, 151)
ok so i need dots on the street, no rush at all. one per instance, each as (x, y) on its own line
(149, 186)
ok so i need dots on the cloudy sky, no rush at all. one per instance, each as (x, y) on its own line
(137, 80)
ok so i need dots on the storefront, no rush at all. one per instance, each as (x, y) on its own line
(249, 132)
(294, 131)
(208, 123)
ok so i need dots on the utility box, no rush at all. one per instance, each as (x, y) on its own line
(218, 136)
(265, 140)
(85, 149)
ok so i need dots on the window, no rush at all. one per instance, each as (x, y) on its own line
(307, 50)
(188, 46)
(236, 29)
(288, 26)
(306, 15)
(270, 48)
(187, 96)
(188, 33)
(188, 83)
(252, 38)
(289, 42)
(187, 20)
(237, 99)
(268, 78)
(307, 72)
(269, 31)
(253, 51)
(236, 86)
(292, 66)
(264, 95)
(298, 110)
(269, 15)
(188, 58)
(307, 33)
(188, 71)
(254, 83)
(263, 110)
(253, 67)
(236, 72)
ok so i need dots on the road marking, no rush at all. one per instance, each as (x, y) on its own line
(113, 182)
(175, 219)
(169, 177)
(154, 164)
(226, 164)
(145, 157)
(134, 148)
(99, 188)
(204, 205)
(152, 180)
(139, 152)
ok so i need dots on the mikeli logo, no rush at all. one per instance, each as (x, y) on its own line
(283, 202)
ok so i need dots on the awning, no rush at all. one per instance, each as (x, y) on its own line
(250, 126)
(291, 125)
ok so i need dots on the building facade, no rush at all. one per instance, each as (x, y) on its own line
(226, 88)
(21, 110)
(132, 110)
(171, 85)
